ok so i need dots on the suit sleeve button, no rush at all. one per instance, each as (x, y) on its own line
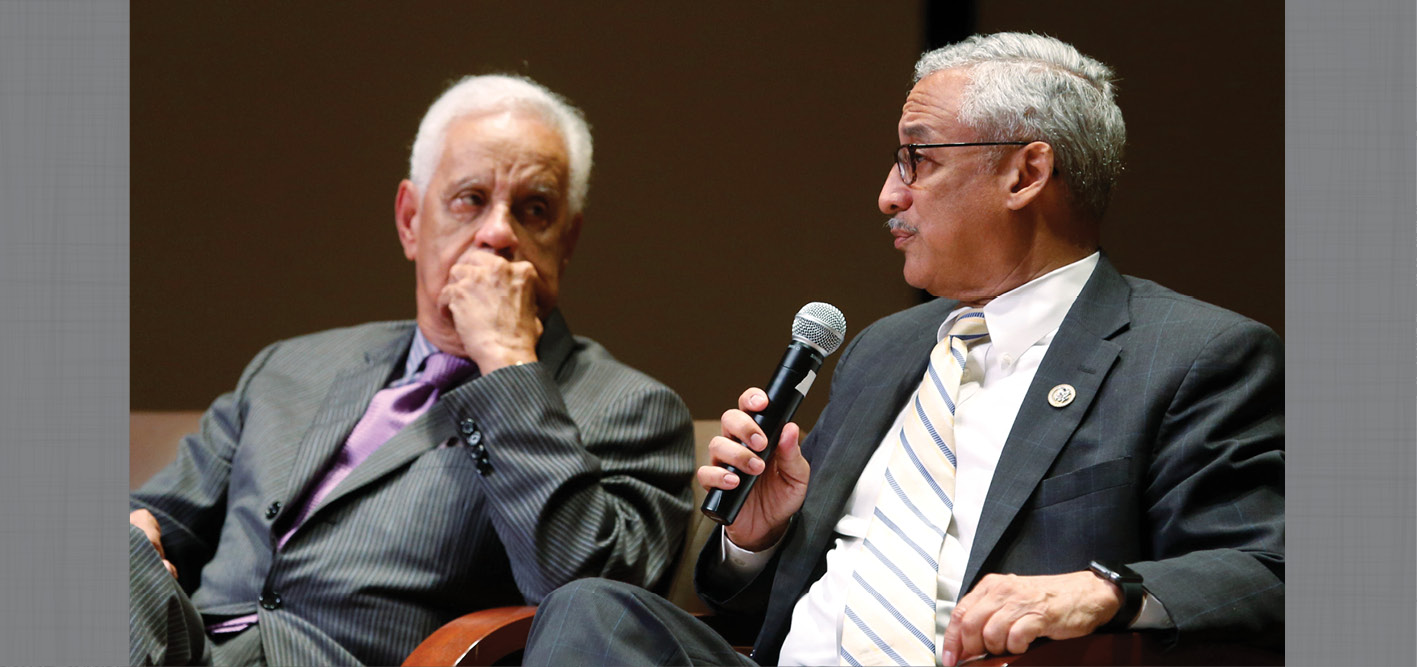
(273, 510)
(270, 600)
(468, 426)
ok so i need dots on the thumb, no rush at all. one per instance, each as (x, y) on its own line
(788, 455)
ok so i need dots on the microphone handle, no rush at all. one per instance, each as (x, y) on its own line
(795, 375)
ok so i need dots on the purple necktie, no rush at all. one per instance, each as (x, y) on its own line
(390, 411)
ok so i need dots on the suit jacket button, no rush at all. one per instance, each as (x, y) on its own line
(474, 438)
(484, 467)
(467, 426)
(273, 510)
(270, 600)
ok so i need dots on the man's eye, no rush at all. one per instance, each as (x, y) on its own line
(537, 210)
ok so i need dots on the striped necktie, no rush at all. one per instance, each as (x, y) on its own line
(890, 607)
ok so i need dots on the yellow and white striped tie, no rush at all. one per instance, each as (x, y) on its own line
(890, 608)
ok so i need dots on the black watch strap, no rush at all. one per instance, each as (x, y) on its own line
(1130, 582)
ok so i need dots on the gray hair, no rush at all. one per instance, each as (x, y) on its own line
(498, 92)
(1034, 87)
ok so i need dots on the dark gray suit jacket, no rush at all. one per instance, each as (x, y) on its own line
(590, 468)
(1170, 459)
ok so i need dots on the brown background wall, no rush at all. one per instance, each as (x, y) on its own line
(739, 151)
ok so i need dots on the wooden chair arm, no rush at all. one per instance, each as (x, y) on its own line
(1130, 648)
(480, 638)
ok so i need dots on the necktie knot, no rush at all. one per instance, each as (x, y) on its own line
(443, 370)
(969, 328)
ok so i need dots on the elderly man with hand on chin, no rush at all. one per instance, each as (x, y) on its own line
(1049, 449)
(362, 486)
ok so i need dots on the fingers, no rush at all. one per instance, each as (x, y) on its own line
(146, 522)
(494, 306)
(714, 477)
(737, 425)
(737, 446)
(964, 636)
(950, 645)
(1023, 632)
(1010, 629)
(726, 452)
(971, 636)
(753, 400)
(1005, 613)
(482, 287)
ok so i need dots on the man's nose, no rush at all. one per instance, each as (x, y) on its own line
(895, 194)
(497, 234)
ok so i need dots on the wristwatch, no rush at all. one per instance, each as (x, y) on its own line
(1130, 582)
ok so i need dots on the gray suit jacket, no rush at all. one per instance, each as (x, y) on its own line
(1170, 459)
(590, 468)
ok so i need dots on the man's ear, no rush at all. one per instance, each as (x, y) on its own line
(1028, 172)
(406, 217)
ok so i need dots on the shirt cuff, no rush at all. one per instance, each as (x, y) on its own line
(739, 563)
(1152, 616)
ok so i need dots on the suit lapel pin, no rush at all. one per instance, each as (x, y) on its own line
(1061, 395)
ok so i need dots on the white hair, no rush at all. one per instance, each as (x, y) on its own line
(498, 92)
(1037, 88)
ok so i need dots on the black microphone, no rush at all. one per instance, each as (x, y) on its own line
(817, 331)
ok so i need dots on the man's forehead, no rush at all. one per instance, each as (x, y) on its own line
(917, 132)
(931, 107)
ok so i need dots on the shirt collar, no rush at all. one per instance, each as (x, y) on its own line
(418, 353)
(1023, 316)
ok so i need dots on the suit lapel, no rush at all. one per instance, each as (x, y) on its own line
(1080, 355)
(344, 405)
(422, 434)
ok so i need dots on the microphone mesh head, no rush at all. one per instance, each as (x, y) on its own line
(820, 325)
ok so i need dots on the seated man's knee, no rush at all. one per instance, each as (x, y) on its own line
(580, 590)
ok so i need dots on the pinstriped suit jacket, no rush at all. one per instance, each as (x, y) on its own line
(590, 468)
(1170, 459)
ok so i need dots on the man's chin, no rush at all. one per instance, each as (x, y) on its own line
(915, 280)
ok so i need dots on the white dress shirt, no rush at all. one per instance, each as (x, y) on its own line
(998, 372)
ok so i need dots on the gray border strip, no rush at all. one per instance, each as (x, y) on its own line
(63, 331)
(1351, 82)
(63, 336)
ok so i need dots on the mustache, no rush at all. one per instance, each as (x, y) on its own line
(895, 224)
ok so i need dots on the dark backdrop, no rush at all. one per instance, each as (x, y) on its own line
(739, 151)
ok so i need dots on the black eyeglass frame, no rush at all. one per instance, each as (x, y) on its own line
(907, 151)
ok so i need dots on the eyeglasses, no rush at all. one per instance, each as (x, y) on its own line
(905, 156)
